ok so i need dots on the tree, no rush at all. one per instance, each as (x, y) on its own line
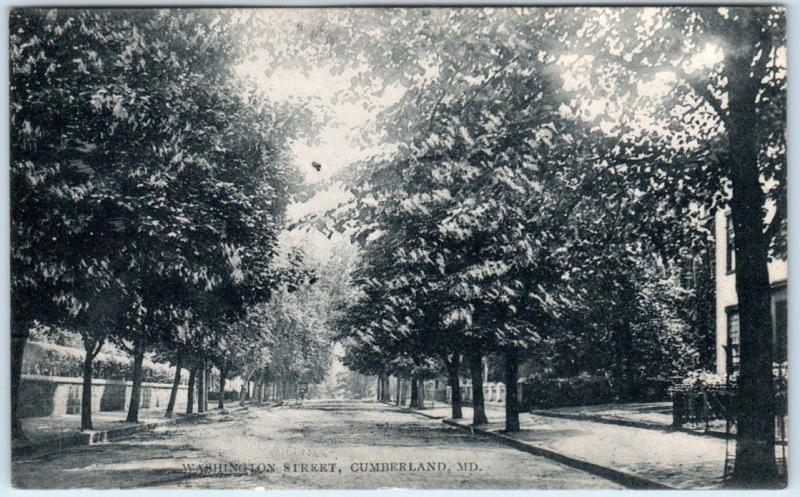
(474, 136)
(456, 234)
(51, 184)
(184, 199)
(736, 102)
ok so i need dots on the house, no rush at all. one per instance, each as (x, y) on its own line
(727, 316)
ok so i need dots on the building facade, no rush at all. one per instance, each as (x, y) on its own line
(727, 315)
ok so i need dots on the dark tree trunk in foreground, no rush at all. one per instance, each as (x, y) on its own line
(201, 388)
(755, 430)
(176, 383)
(398, 391)
(378, 386)
(190, 390)
(414, 403)
(452, 364)
(476, 372)
(512, 403)
(206, 386)
(625, 383)
(136, 389)
(385, 390)
(86, 392)
(421, 393)
(19, 337)
(91, 348)
(259, 387)
(221, 401)
(242, 393)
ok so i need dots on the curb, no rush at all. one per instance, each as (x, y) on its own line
(625, 479)
(96, 437)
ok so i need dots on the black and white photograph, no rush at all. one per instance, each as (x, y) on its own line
(366, 247)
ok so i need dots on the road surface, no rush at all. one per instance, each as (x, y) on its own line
(320, 445)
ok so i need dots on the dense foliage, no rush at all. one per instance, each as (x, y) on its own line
(42, 358)
(149, 182)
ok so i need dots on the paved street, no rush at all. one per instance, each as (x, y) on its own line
(361, 445)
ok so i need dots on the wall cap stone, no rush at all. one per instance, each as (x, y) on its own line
(95, 381)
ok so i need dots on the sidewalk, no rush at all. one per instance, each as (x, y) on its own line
(52, 433)
(654, 415)
(662, 458)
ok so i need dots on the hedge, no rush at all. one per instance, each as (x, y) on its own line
(57, 360)
(542, 393)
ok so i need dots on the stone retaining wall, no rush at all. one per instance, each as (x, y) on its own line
(57, 395)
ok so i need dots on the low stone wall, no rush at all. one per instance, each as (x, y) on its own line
(492, 392)
(58, 395)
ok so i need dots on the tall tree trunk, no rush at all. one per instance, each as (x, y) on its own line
(190, 390)
(452, 364)
(221, 401)
(242, 394)
(176, 383)
(414, 403)
(398, 390)
(136, 388)
(421, 393)
(91, 349)
(201, 388)
(378, 386)
(19, 337)
(755, 430)
(512, 403)
(258, 389)
(476, 372)
(206, 386)
(624, 382)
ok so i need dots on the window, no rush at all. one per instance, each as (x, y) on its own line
(732, 349)
(730, 253)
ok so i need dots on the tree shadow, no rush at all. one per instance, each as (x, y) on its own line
(123, 464)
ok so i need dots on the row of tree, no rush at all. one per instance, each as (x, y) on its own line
(548, 165)
(149, 184)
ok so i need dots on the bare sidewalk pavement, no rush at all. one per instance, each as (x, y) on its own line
(637, 457)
